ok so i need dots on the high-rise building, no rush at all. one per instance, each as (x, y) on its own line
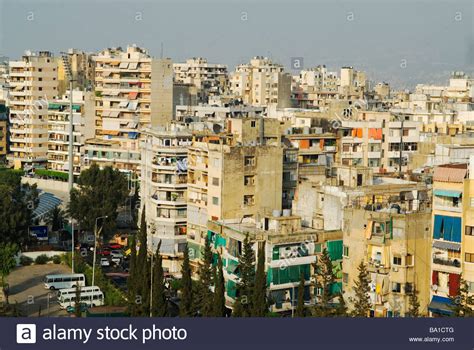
(163, 188)
(58, 129)
(82, 70)
(210, 79)
(33, 83)
(132, 91)
(262, 83)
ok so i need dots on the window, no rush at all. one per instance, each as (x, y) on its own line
(215, 181)
(469, 258)
(469, 231)
(472, 201)
(409, 260)
(249, 180)
(345, 251)
(215, 200)
(248, 200)
(396, 287)
(408, 288)
(397, 260)
(249, 161)
(405, 132)
(253, 123)
(345, 278)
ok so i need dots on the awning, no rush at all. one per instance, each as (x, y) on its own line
(132, 106)
(447, 193)
(132, 95)
(123, 104)
(111, 132)
(441, 305)
(133, 65)
(123, 65)
(132, 125)
(408, 196)
(449, 174)
(447, 245)
(114, 114)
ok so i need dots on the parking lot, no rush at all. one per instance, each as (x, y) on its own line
(27, 289)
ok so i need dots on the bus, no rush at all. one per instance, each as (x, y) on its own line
(64, 281)
(90, 299)
(72, 291)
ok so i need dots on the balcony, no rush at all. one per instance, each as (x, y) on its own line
(447, 262)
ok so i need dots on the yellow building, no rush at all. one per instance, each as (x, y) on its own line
(33, 82)
(452, 236)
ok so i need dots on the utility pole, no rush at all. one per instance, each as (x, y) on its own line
(68, 71)
(401, 149)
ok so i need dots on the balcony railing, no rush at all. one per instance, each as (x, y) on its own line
(447, 262)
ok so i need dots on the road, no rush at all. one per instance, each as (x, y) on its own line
(27, 289)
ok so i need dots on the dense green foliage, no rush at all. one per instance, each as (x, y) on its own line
(361, 300)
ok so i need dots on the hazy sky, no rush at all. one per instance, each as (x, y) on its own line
(402, 41)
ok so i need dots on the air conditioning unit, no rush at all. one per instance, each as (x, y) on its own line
(395, 269)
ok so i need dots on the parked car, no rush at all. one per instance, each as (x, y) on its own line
(114, 246)
(116, 254)
(104, 252)
(104, 262)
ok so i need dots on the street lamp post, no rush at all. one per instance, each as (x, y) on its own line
(95, 247)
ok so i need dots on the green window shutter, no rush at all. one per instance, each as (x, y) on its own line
(317, 248)
(334, 249)
(276, 253)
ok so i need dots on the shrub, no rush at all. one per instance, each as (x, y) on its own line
(57, 259)
(25, 260)
(41, 259)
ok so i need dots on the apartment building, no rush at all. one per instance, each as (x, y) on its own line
(387, 227)
(33, 82)
(132, 91)
(314, 87)
(228, 180)
(58, 130)
(378, 140)
(262, 82)
(82, 70)
(163, 186)
(209, 78)
(353, 83)
(452, 256)
(290, 251)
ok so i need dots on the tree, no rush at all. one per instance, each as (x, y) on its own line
(7, 259)
(132, 287)
(300, 306)
(219, 291)
(414, 304)
(55, 219)
(77, 302)
(99, 193)
(186, 308)
(17, 202)
(142, 270)
(341, 308)
(325, 278)
(361, 289)
(259, 302)
(205, 296)
(463, 303)
(245, 286)
(159, 305)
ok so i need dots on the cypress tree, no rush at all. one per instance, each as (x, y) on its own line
(341, 309)
(159, 305)
(325, 277)
(219, 291)
(132, 287)
(463, 303)
(300, 306)
(361, 300)
(142, 275)
(205, 296)
(186, 306)
(259, 302)
(246, 282)
(414, 304)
